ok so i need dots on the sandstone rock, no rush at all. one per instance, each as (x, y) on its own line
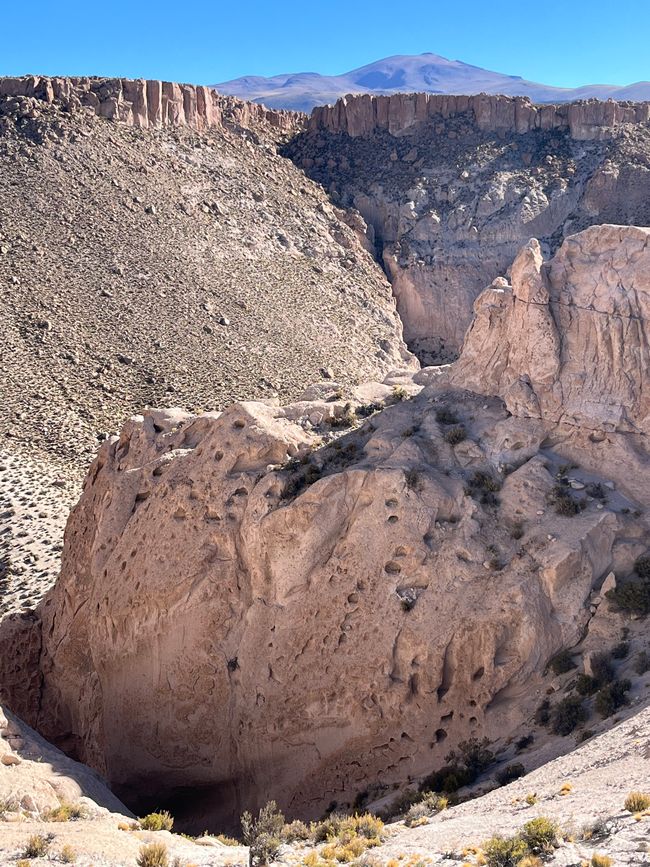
(363, 114)
(148, 103)
(200, 566)
(567, 341)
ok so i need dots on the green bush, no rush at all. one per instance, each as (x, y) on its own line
(612, 697)
(562, 662)
(504, 851)
(543, 713)
(602, 669)
(642, 566)
(264, 834)
(463, 767)
(540, 834)
(632, 597)
(642, 663)
(509, 773)
(567, 714)
(621, 650)
(585, 684)
(162, 821)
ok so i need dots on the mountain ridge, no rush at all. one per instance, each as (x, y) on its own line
(428, 73)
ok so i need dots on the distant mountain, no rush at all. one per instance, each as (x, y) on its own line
(412, 73)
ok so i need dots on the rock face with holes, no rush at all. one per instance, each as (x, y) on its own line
(292, 602)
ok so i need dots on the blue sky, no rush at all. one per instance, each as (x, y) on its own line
(561, 43)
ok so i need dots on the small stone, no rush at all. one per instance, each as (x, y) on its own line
(326, 372)
(10, 759)
(223, 320)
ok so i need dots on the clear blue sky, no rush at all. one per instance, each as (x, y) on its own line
(566, 43)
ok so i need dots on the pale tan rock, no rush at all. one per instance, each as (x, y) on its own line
(338, 633)
(568, 340)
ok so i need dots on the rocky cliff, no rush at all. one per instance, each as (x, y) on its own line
(141, 103)
(451, 186)
(292, 601)
(583, 120)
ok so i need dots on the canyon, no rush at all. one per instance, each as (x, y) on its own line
(306, 568)
(450, 187)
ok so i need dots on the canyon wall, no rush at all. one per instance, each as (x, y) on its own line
(450, 187)
(584, 120)
(294, 602)
(141, 103)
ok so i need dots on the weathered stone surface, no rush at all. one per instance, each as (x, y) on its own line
(568, 340)
(585, 120)
(451, 187)
(221, 626)
(142, 103)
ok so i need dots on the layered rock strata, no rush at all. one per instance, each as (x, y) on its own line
(142, 103)
(584, 120)
(290, 602)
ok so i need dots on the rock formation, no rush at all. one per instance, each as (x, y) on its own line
(583, 120)
(567, 341)
(452, 186)
(290, 602)
(141, 103)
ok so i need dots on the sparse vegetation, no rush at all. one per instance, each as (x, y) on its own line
(7, 805)
(612, 697)
(567, 714)
(399, 393)
(524, 742)
(429, 804)
(531, 799)
(562, 662)
(413, 480)
(65, 812)
(602, 669)
(642, 663)
(444, 415)
(598, 860)
(229, 841)
(504, 851)
(37, 846)
(637, 802)
(540, 834)
(509, 773)
(563, 502)
(162, 821)
(483, 487)
(153, 855)
(68, 855)
(633, 596)
(294, 832)
(585, 685)
(621, 650)
(264, 834)
(455, 434)
(463, 766)
(543, 713)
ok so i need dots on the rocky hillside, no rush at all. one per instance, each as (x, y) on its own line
(156, 250)
(352, 591)
(451, 187)
(172, 265)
